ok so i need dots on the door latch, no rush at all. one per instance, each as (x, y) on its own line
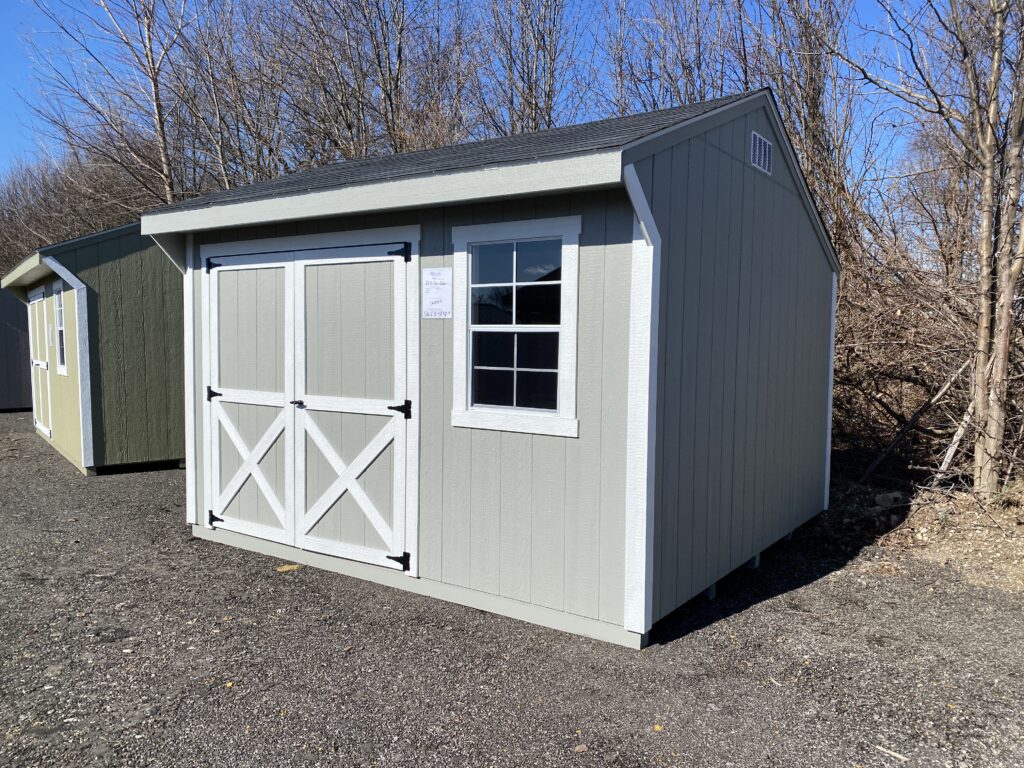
(404, 408)
(298, 403)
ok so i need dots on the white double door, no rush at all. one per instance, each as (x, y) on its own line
(307, 417)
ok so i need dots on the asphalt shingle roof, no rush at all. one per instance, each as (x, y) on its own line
(570, 140)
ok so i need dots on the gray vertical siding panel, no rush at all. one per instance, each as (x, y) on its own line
(582, 494)
(743, 360)
(618, 265)
(433, 416)
(456, 471)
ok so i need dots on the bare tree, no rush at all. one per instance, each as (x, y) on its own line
(961, 63)
(532, 73)
(105, 89)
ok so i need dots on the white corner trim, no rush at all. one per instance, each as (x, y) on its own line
(562, 423)
(831, 377)
(641, 407)
(188, 295)
(84, 365)
(593, 169)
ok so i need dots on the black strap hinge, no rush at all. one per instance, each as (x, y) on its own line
(213, 518)
(405, 251)
(211, 393)
(402, 559)
(210, 264)
(405, 408)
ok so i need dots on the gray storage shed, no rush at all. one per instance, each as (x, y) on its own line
(105, 330)
(573, 377)
(15, 389)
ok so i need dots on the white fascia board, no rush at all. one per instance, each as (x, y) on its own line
(84, 366)
(594, 169)
(642, 400)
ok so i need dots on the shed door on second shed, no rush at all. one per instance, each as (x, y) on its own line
(307, 366)
(39, 345)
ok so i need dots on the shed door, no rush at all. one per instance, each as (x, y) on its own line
(250, 421)
(351, 378)
(307, 376)
(38, 344)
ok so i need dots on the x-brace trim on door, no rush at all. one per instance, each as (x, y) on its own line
(251, 465)
(348, 478)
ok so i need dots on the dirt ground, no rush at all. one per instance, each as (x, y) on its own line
(124, 642)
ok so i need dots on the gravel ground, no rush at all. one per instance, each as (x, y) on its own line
(123, 641)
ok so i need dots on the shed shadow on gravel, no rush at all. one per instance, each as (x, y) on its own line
(824, 544)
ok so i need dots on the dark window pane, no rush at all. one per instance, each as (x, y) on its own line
(492, 263)
(492, 387)
(539, 304)
(537, 350)
(492, 306)
(537, 390)
(494, 349)
(538, 260)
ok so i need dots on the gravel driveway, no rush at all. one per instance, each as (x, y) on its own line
(123, 641)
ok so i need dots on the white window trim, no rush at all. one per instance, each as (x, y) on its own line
(59, 327)
(563, 422)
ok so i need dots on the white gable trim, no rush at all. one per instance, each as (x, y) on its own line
(594, 169)
(642, 400)
(84, 368)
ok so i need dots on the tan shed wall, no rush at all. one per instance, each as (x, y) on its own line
(537, 519)
(743, 357)
(66, 412)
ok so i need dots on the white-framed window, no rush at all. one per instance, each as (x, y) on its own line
(515, 315)
(58, 316)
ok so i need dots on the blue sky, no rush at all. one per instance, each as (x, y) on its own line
(18, 18)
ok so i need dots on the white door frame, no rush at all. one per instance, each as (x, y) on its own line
(40, 367)
(283, 248)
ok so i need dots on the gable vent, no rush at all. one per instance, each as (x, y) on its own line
(760, 152)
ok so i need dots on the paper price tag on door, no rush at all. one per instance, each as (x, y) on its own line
(437, 293)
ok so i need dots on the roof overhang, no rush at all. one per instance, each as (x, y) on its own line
(558, 174)
(26, 274)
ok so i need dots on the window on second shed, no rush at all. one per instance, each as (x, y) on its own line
(58, 312)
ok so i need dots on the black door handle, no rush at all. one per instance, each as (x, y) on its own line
(299, 403)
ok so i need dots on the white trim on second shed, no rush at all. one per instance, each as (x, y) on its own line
(84, 368)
